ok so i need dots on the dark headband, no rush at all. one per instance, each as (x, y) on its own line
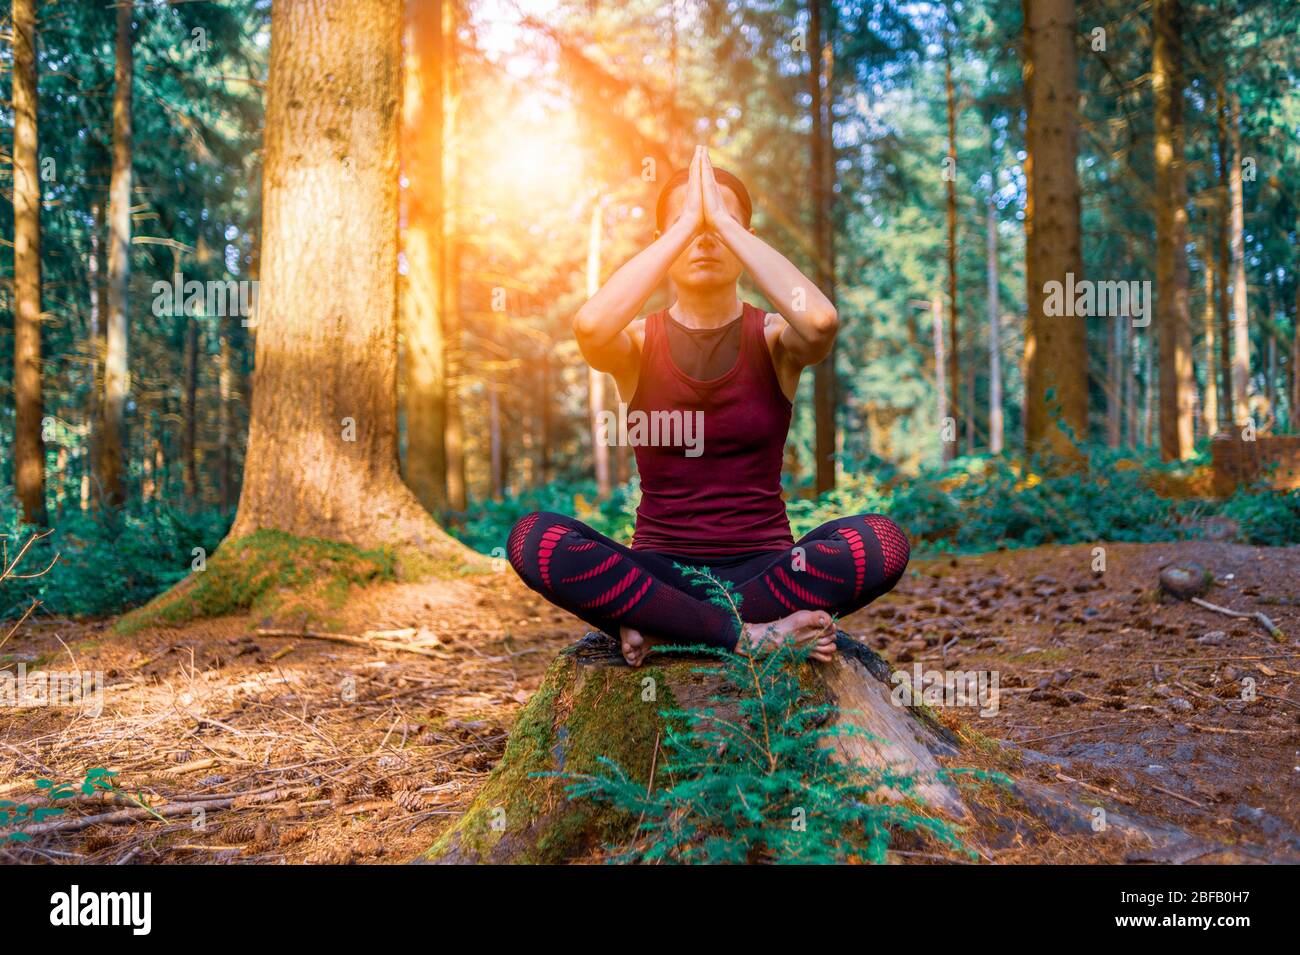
(724, 178)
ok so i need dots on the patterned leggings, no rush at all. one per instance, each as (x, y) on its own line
(840, 567)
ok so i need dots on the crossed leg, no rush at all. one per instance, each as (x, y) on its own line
(639, 597)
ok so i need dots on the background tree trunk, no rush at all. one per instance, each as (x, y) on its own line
(822, 171)
(29, 405)
(1115, 381)
(1222, 258)
(1056, 356)
(453, 352)
(995, 332)
(322, 446)
(946, 437)
(596, 379)
(425, 394)
(1173, 319)
(962, 417)
(1211, 404)
(116, 361)
(1237, 243)
(190, 419)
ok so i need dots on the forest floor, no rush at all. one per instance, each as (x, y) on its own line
(255, 748)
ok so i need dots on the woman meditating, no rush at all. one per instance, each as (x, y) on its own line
(718, 506)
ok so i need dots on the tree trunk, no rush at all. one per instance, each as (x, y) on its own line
(1173, 318)
(1211, 355)
(1148, 394)
(189, 427)
(822, 172)
(596, 379)
(995, 332)
(322, 445)
(225, 418)
(496, 466)
(94, 400)
(947, 434)
(1114, 381)
(453, 352)
(116, 363)
(1131, 386)
(1056, 348)
(963, 419)
(545, 414)
(1237, 242)
(425, 393)
(29, 405)
(592, 705)
(1223, 259)
(1294, 410)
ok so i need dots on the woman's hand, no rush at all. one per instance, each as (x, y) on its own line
(715, 209)
(693, 209)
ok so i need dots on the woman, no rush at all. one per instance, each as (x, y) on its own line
(721, 509)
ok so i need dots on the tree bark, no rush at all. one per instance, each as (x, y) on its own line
(29, 405)
(1237, 243)
(946, 437)
(1211, 404)
(189, 428)
(1114, 381)
(1173, 318)
(962, 418)
(995, 332)
(117, 334)
(1223, 260)
(1056, 348)
(822, 172)
(596, 379)
(425, 393)
(1295, 356)
(322, 446)
(453, 352)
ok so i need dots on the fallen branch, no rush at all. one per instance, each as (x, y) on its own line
(369, 643)
(1273, 630)
(161, 812)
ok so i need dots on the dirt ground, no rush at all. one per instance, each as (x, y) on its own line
(253, 748)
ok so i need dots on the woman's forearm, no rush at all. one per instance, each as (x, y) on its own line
(809, 312)
(620, 299)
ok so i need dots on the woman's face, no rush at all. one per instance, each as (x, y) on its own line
(705, 262)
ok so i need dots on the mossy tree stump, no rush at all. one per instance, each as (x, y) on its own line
(591, 704)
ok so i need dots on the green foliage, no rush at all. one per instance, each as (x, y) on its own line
(1270, 518)
(107, 562)
(488, 525)
(758, 785)
(973, 504)
(15, 817)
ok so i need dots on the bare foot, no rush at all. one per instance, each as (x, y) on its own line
(635, 645)
(803, 626)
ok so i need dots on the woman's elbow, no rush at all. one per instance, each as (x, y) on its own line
(826, 323)
(584, 324)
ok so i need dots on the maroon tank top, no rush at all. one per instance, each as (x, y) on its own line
(726, 499)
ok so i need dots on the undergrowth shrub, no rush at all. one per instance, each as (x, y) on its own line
(109, 561)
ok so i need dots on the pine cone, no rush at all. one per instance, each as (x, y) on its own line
(289, 836)
(409, 799)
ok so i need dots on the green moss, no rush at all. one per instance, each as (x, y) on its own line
(267, 572)
(567, 726)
